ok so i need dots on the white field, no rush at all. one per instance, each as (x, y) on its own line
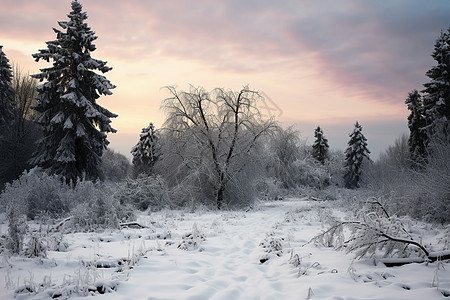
(221, 261)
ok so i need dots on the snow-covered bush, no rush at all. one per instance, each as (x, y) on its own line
(391, 173)
(423, 194)
(57, 242)
(36, 247)
(145, 192)
(192, 240)
(291, 163)
(309, 172)
(17, 227)
(98, 209)
(430, 195)
(273, 246)
(35, 193)
(91, 205)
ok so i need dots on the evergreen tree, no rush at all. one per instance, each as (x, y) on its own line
(145, 152)
(354, 157)
(7, 103)
(320, 146)
(416, 124)
(436, 100)
(74, 125)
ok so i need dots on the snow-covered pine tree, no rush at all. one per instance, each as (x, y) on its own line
(416, 123)
(74, 125)
(320, 146)
(436, 99)
(355, 155)
(145, 152)
(7, 103)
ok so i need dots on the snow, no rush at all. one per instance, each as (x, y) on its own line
(260, 254)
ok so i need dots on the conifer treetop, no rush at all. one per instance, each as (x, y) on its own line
(5, 67)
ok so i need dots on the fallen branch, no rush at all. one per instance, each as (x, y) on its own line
(135, 225)
(375, 230)
(432, 257)
(379, 233)
(439, 255)
(58, 226)
(397, 262)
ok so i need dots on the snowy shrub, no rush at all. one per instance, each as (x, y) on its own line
(57, 242)
(291, 162)
(335, 168)
(423, 194)
(311, 173)
(305, 267)
(192, 240)
(145, 192)
(431, 192)
(36, 247)
(272, 247)
(17, 227)
(92, 205)
(96, 208)
(24, 291)
(36, 193)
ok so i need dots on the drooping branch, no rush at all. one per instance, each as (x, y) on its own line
(378, 232)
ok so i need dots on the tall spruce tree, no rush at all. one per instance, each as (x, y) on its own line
(74, 125)
(320, 146)
(355, 155)
(416, 124)
(145, 152)
(7, 103)
(436, 99)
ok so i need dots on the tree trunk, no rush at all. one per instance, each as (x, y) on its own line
(219, 199)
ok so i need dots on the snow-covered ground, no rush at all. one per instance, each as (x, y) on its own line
(260, 254)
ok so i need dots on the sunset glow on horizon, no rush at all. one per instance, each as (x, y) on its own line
(319, 63)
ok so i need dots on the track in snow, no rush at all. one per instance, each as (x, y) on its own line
(227, 264)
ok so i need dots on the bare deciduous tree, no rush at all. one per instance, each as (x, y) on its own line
(25, 96)
(224, 129)
(19, 140)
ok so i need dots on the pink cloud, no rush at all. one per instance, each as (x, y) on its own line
(374, 53)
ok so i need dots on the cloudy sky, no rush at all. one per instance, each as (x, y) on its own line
(326, 63)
